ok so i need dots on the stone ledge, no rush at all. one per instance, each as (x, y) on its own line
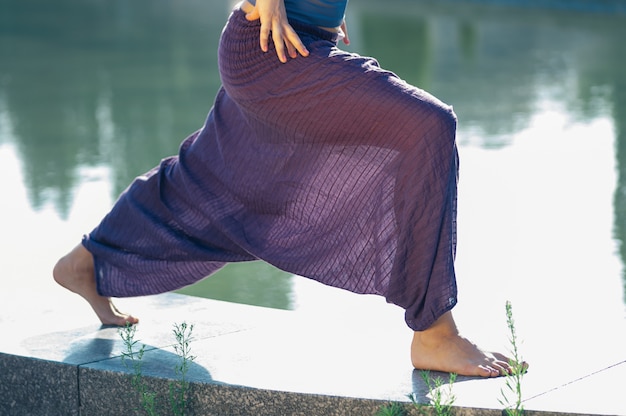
(29, 386)
(253, 361)
(38, 387)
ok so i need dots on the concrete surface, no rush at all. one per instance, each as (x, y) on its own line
(337, 360)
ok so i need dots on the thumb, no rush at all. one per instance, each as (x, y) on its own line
(253, 15)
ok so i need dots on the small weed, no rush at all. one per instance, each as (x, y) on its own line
(132, 359)
(391, 409)
(441, 399)
(178, 391)
(513, 406)
(441, 402)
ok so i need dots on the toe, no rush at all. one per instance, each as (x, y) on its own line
(486, 371)
(124, 319)
(504, 368)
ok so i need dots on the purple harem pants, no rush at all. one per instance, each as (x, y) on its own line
(328, 167)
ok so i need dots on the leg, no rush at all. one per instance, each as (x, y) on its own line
(75, 272)
(442, 348)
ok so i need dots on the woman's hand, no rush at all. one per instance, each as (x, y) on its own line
(274, 20)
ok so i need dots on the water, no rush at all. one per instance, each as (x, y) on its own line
(93, 93)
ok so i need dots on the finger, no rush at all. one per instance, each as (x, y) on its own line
(253, 15)
(264, 36)
(344, 29)
(279, 44)
(291, 50)
(295, 42)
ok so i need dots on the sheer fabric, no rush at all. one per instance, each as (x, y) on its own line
(327, 166)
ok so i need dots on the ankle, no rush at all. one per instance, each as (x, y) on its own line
(444, 326)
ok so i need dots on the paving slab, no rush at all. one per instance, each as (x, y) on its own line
(325, 358)
(600, 392)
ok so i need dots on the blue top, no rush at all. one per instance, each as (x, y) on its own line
(325, 13)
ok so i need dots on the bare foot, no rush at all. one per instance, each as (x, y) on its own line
(442, 348)
(75, 272)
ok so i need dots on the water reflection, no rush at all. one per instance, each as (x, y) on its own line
(116, 84)
(619, 114)
(103, 82)
(495, 64)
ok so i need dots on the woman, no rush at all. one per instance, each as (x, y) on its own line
(313, 159)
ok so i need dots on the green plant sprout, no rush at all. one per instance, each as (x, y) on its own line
(391, 409)
(441, 399)
(441, 402)
(179, 390)
(513, 383)
(132, 359)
